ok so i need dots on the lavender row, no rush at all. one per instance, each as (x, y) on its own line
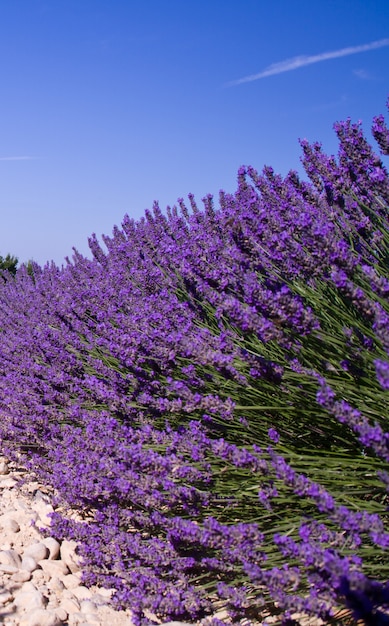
(144, 384)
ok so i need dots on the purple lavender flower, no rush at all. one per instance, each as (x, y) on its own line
(273, 435)
(381, 133)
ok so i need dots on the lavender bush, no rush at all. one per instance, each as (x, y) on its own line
(209, 395)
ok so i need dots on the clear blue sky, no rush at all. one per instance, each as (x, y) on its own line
(108, 105)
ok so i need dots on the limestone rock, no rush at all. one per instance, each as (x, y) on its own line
(5, 597)
(10, 557)
(4, 467)
(38, 551)
(53, 547)
(82, 593)
(9, 524)
(21, 576)
(28, 600)
(54, 568)
(70, 581)
(40, 617)
(68, 555)
(28, 563)
(71, 606)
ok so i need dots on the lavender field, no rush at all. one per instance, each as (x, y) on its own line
(210, 394)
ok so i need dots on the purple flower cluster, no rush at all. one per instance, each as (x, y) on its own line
(140, 384)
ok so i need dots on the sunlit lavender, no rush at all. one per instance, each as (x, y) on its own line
(210, 394)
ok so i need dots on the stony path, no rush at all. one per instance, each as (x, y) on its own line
(39, 577)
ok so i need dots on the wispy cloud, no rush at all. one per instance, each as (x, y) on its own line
(17, 158)
(301, 61)
(362, 74)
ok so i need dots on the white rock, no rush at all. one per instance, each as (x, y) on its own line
(71, 581)
(7, 483)
(38, 551)
(69, 595)
(53, 600)
(99, 599)
(5, 597)
(92, 619)
(61, 614)
(29, 563)
(106, 593)
(10, 557)
(56, 584)
(53, 546)
(40, 577)
(86, 606)
(82, 593)
(54, 568)
(40, 617)
(8, 569)
(28, 586)
(43, 511)
(70, 606)
(4, 467)
(44, 590)
(22, 504)
(28, 600)
(21, 576)
(9, 524)
(68, 555)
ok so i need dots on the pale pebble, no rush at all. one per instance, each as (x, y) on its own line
(40, 617)
(8, 569)
(4, 467)
(10, 557)
(38, 551)
(29, 587)
(56, 584)
(53, 600)
(44, 510)
(62, 614)
(92, 619)
(5, 597)
(70, 606)
(21, 576)
(107, 593)
(82, 593)
(40, 577)
(53, 547)
(99, 599)
(71, 581)
(9, 524)
(68, 555)
(7, 483)
(86, 606)
(29, 563)
(30, 600)
(54, 568)
(7, 546)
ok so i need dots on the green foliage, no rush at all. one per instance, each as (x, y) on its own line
(9, 264)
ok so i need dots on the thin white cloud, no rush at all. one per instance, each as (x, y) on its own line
(362, 74)
(17, 158)
(301, 61)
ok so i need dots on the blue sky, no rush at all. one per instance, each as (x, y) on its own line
(108, 105)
